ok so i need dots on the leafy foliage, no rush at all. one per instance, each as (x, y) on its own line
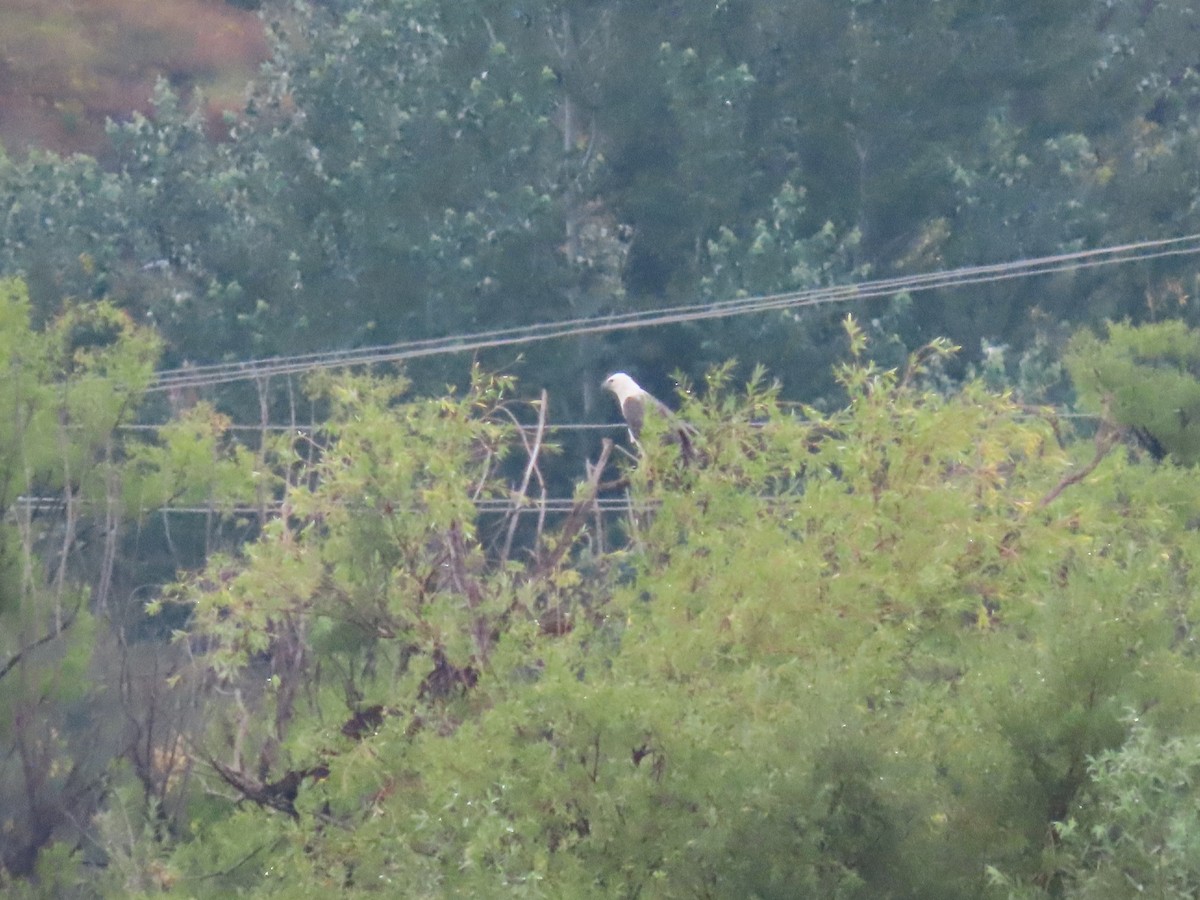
(65, 390)
(1146, 379)
(912, 639)
(1140, 834)
(878, 652)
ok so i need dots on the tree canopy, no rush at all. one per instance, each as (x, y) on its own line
(912, 618)
(413, 169)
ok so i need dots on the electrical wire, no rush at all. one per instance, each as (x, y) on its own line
(223, 373)
(274, 428)
(492, 506)
(548, 428)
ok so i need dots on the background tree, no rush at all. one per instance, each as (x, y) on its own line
(65, 390)
(414, 169)
(401, 686)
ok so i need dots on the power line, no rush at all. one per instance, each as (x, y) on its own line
(223, 373)
(493, 506)
(549, 427)
(154, 428)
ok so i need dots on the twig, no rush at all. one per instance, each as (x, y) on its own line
(71, 509)
(222, 873)
(264, 412)
(44, 639)
(111, 527)
(468, 586)
(533, 450)
(541, 524)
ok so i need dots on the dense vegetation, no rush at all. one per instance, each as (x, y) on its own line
(928, 645)
(897, 630)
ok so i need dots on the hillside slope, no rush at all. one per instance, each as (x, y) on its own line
(66, 66)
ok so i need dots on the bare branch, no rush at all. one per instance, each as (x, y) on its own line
(532, 450)
(46, 638)
(1106, 437)
(111, 526)
(578, 516)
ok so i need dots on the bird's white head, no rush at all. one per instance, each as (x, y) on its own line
(622, 386)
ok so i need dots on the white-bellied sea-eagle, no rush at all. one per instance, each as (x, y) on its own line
(636, 403)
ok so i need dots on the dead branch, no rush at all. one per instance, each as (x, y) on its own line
(578, 516)
(1106, 437)
(279, 795)
(533, 450)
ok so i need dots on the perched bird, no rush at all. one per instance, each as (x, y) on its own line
(634, 401)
